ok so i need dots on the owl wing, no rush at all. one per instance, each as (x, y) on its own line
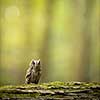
(28, 73)
(28, 76)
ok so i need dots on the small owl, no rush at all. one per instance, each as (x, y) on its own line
(34, 72)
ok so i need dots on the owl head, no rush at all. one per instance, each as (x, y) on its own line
(35, 64)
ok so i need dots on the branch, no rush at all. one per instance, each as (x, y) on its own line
(53, 90)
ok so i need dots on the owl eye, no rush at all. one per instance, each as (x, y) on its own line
(33, 62)
(39, 62)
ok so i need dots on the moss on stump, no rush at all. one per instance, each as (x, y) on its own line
(52, 91)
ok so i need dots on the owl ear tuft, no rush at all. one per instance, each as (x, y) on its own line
(32, 62)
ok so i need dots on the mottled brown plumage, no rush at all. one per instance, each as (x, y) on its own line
(34, 72)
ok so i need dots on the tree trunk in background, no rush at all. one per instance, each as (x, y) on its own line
(95, 48)
(25, 44)
(85, 9)
(46, 45)
(87, 40)
(57, 42)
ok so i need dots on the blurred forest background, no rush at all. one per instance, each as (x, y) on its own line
(64, 34)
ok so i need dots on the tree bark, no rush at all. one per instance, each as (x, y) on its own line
(52, 91)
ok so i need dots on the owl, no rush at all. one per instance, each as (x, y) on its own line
(34, 72)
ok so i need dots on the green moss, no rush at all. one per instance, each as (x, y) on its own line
(25, 90)
(52, 85)
(6, 95)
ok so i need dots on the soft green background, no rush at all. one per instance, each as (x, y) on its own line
(64, 34)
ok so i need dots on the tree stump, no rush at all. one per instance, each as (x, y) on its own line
(52, 91)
